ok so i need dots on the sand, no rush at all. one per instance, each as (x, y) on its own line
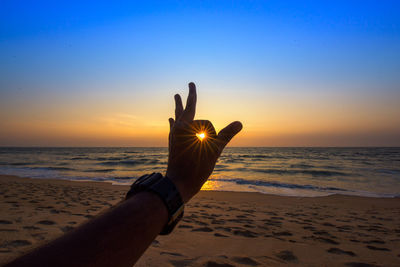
(218, 229)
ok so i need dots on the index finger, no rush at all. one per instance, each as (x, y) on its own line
(190, 110)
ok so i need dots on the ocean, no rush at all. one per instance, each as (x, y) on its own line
(304, 172)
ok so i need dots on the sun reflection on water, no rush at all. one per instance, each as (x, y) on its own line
(211, 185)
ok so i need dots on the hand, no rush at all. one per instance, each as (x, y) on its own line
(192, 160)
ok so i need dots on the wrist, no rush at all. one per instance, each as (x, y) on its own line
(166, 190)
(153, 203)
(179, 185)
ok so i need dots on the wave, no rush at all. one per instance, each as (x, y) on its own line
(15, 163)
(19, 163)
(353, 169)
(79, 158)
(116, 163)
(302, 166)
(125, 178)
(278, 184)
(50, 168)
(100, 170)
(314, 173)
(129, 162)
(113, 158)
(249, 156)
(389, 171)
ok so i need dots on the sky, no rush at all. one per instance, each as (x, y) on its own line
(295, 73)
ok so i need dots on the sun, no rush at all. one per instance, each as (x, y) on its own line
(201, 135)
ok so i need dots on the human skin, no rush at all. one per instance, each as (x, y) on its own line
(191, 161)
(122, 234)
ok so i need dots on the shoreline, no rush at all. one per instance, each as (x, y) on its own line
(218, 227)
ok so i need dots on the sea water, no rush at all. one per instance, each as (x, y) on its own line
(372, 172)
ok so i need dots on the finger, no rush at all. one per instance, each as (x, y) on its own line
(226, 134)
(171, 123)
(190, 110)
(178, 106)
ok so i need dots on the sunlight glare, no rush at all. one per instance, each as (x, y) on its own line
(201, 135)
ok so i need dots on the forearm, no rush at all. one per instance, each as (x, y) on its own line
(117, 238)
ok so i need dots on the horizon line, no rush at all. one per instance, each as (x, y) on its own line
(383, 146)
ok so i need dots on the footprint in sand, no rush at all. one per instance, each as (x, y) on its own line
(219, 235)
(360, 264)
(185, 226)
(46, 222)
(18, 243)
(171, 253)
(241, 220)
(155, 243)
(341, 252)
(374, 242)
(245, 261)
(216, 264)
(31, 227)
(284, 233)
(324, 233)
(249, 211)
(202, 229)
(287, 255)
(344, 228)
(5, 222)
(67, 228)
(377, 248)
(272, 222)
(322, 239)
(226, 229)
(245, 233)
(181, 263)
(9, 230)
(200, 222)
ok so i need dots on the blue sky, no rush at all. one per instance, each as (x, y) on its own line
(67, 54)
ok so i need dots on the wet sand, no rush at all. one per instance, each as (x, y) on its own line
(218, 229)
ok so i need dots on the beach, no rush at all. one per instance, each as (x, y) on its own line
(218, 229)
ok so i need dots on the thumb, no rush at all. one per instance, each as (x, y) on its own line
(226, 134)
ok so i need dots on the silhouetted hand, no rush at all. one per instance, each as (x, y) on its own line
(192, 158)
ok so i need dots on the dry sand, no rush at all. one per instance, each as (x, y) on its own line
(218, 229)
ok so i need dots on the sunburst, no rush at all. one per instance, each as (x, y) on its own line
(201, 135)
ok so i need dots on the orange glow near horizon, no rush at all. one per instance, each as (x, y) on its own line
(269, 119)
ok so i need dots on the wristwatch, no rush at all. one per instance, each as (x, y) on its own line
(167, 191)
